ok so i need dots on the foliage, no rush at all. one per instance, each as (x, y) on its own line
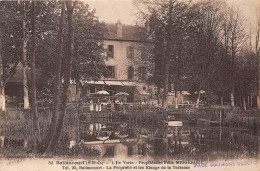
(11, 36)
(80, 150)
(207, 50)
(88, 61)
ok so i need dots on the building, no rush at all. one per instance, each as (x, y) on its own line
(126, 50)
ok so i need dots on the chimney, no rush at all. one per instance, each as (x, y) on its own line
(119, 29)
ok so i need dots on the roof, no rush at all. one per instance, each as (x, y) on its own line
(129, 32)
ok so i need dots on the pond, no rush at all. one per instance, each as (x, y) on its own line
(137, 137)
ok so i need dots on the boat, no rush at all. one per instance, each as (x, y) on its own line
(102, 138)
(120, 135)
(103, 135)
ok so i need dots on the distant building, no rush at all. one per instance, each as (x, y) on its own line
(126, 49)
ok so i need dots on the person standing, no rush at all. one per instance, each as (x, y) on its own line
(91, 105)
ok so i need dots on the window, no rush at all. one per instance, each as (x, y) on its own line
(110, 72)
(130, 52)
(110, 52)
(141, 73)
(130, 151)
(92, 89)
(139, 149)
(130, 72)
(109, 152)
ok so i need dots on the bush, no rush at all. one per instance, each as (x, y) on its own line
(80, 150)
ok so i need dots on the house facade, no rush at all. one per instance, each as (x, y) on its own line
(126, 56)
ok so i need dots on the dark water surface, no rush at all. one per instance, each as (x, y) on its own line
(153, 138)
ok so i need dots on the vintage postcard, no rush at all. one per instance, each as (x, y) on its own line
(130, 85)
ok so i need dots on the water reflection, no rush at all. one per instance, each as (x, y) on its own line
(150, 138)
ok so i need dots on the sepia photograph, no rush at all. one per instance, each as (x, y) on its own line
(129, 85)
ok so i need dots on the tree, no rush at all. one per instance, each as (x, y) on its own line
(24, 60)
(37, 132)
(162, 16)
(52, 128)
(203, 36)
(232, 37)
(89, 59)
(245, 75)
(70, 9)
(167, 56)
(257, 49)
(10, 44)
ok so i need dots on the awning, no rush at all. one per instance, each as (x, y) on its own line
(127, 83)
(117, 83)
(95, 82)
(144, 93)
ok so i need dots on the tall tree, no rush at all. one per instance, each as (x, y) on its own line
(70, 9)
(57, 83)
(88, 60)
(167, 56)
(203, 33)
(257, 49)
(2, 93)
(245, 75)
(24, 60)
(10, 44)
(233, 37)
(36, 123)
(163, 15)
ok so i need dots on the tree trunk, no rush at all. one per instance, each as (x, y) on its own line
(176, 97)
(257, 49)
(158, 95)
(77, 90)
(221, 101)
(167, 55)
(55, 113)
(197, 100)
(251, 100)
(2, 87)
(24, 62)
(244, 103)
(258, 80)
(181, 95)
(36, 123)
(70, 7)
(176, 101)
(2, 99)
(232, 99)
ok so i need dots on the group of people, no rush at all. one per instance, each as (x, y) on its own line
(97, 107)
(109, 105)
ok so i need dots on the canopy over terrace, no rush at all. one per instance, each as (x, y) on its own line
(114, 86)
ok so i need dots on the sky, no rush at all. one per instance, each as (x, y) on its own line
(113, 10)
